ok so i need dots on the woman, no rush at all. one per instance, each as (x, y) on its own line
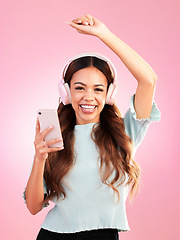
(89, 179)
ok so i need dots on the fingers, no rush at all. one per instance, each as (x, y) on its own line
(84, 20)
(45, 147)
(40, 145)
(42, 148)
(90, 19)
(37, 126)
(46, 131)
(55, 149)
(53, 141)
(87, 25)
(81, 28)
(38, 129)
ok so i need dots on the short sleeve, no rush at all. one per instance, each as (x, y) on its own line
(45, 193)
(136, 128)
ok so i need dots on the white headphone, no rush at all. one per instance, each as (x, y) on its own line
(64, 89)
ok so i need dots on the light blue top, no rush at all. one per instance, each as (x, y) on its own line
(89, 203)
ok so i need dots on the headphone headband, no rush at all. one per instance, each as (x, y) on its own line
(92, 54)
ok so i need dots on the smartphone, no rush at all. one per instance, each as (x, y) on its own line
(47, 118)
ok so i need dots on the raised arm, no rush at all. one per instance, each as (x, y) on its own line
(140, 69)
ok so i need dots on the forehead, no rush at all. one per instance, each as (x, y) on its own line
(89, 76)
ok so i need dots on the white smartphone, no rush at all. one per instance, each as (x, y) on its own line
(47, 118)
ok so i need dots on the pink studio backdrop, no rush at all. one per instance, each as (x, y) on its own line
(35, 44)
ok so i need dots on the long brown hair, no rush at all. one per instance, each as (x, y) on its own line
(114, 145)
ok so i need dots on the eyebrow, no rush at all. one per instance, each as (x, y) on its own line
(96, 85)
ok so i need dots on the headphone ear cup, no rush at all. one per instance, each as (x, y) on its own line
(64, 92)
(66, 85)
(110, 94)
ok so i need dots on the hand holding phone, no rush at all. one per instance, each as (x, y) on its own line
(47, 118)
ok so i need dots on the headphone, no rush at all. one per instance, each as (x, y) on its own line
(64, 89)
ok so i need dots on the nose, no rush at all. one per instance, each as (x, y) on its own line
(88, 95)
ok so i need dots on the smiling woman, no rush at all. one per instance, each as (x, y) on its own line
(89, 180)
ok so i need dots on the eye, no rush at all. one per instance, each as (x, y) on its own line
(79, 88)
(98, 89)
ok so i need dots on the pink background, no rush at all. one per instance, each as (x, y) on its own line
(35, 44)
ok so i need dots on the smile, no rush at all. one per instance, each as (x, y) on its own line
(88, 108)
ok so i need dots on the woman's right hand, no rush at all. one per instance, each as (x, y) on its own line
(89, 25)
(41, 147)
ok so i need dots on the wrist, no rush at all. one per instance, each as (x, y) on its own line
(38, 159)
(104, 35)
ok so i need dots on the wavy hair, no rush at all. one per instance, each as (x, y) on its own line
(114, 145)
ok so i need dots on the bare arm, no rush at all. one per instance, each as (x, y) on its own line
(34, 190)
(140, 69)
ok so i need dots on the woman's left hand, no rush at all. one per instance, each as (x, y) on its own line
(89, 25)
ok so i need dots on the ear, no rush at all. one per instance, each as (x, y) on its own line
(64, 92)
(110, 94)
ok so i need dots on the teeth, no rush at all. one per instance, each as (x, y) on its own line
(88, 107)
